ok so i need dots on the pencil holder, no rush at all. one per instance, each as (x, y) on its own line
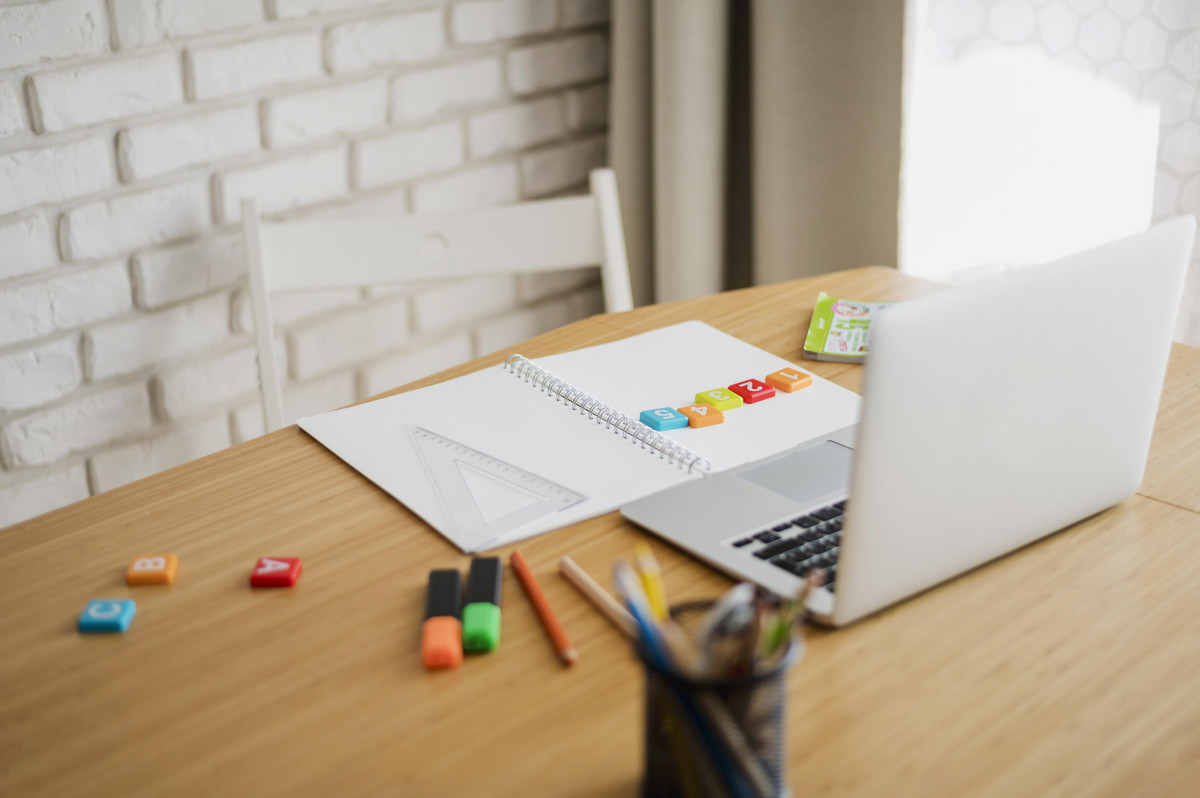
(715, 737)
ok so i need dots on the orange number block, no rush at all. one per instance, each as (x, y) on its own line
(789, 380)
(752, 391)
(702, 415)
(152, 569)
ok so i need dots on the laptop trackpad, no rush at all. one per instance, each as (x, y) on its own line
(805, 475)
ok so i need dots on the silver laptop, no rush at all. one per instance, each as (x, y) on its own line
(993, 415)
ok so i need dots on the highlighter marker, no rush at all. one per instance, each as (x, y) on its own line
(441, 634)
(481, 616)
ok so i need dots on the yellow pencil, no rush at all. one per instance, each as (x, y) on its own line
(652, 581)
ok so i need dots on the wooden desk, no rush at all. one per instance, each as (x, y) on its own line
(1070, 668)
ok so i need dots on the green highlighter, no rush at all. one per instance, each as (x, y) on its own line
(481, 615)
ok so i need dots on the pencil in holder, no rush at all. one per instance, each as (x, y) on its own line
(715, 736)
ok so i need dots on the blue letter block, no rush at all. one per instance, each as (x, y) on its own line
(104, 616)
(663, 418)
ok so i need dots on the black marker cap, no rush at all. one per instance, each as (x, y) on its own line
(483, 582)
(444, 595)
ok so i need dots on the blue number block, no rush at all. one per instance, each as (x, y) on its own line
(105, 616)
(663, 418)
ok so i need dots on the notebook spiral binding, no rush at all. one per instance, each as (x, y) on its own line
(605, 415)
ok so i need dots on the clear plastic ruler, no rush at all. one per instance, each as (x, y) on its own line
(482, 496)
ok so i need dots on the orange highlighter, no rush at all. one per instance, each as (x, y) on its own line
(441, 634)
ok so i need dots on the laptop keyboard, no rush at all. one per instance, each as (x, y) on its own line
(801, 544)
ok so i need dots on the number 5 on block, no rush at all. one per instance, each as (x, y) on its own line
(702, 415)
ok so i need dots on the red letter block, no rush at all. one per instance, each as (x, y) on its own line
(275, 572)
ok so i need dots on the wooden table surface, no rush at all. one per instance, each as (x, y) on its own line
(1070, 668)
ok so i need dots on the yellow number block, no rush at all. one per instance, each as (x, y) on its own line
(152, 569)
(789, 380)
(702, 415)
(721, 398)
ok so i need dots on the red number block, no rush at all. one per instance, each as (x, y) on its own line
(752, 391)
(275, 572)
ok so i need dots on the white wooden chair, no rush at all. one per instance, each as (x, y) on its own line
(320, 254)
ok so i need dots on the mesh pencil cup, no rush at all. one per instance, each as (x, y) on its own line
(715, 736)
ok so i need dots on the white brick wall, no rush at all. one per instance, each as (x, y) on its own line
(82, 96)
(130, 131)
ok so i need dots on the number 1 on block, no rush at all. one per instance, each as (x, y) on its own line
(702, 415)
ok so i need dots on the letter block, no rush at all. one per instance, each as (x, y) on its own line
(106, 616)
(275, 572)
(152, 569)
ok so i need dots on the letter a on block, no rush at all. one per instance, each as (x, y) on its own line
(275, 572)
(152, 569)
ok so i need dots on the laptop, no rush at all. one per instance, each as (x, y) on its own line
(993, 415)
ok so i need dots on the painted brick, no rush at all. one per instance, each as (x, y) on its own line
(587, 108)
(481, 21)
(323, 113)
(388, 202)
(300, 8)
(299, 400)
(581, 13)
(399, 39)
(291, 307)
(41, 495)
(421, 94)
(558, 63)
(82, 297)
(516, 128)
(162, 147)
(45, 31)
(401, 156)
(40, 375)
(201, 386)
(415, 364)
(10, 109)
(223, 70)
(189, 270)
(56, 173)
(132, 462)
(533, 288)
(125, 347)
(516, 327)
(142, 22)
(562, 167)
(133, 221)
(283, 184)
(26, 245)
(50, 435)
(111, 90)
(495, 184)
(461, 301)
(350, 338)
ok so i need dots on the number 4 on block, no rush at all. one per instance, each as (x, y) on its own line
(702, 415)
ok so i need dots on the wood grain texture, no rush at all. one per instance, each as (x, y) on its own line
(1071, 668)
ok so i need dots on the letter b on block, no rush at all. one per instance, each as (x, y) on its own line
(152, 569)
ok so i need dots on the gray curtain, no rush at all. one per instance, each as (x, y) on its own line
(755, 140)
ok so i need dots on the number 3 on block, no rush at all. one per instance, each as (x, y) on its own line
(702, 415)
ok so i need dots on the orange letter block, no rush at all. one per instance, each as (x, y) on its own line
(789, 380)
(702, 415)
(152, 569)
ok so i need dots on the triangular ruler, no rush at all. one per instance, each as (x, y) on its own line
(484, 497)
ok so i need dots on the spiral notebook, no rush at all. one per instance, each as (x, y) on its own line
(520, 449)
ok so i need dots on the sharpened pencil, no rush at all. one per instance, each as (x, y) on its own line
(601, 598)
(549, 621)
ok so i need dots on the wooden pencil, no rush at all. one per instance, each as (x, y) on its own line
(591, 590)
(553, 628)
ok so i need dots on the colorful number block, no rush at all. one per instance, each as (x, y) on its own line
(275, 572)
(107, 616)
(702, 415)
(663, 418)
(789, 380)
(752, 391)
(721, 398)
(152, 569)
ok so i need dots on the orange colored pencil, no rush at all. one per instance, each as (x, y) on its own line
(557, 636)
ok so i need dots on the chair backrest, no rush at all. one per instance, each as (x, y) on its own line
(545, 235)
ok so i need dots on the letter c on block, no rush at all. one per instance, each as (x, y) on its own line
(100, 613)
